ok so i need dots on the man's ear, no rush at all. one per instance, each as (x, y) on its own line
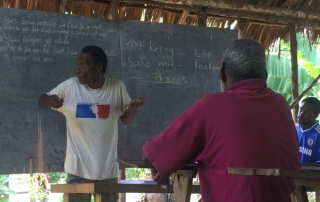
(99, 67)
(223, 75)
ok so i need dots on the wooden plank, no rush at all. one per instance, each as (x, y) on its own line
(310, 166)
(90, 188)
(85, 188)
(145, 164)
(303, 174)
(307, 182)
(294, 68)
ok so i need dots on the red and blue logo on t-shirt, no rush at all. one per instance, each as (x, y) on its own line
(92, 111)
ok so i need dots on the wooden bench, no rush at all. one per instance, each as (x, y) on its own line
(181, 186)
(102, 191)
(308, 176)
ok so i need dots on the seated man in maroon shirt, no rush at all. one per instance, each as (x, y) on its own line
(247, 125)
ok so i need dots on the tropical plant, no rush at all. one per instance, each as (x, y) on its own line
(135, 173)
(4, 190)
(38, 187)
(56, 178)
(279, 70)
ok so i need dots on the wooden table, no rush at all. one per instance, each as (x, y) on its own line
(182, 185)
(181, 179)
(308, 176)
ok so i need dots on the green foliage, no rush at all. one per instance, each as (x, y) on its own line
(135, 173)
(56, 178)
(311, 196)
(279, 71)
(4, 190)
(38, 187)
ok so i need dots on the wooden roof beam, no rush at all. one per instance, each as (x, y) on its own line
(62, 6)
(183, 17)
(246, 8)
(272, 19)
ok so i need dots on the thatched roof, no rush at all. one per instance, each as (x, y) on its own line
(262, 20)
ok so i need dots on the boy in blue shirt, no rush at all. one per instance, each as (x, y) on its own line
(308, 130)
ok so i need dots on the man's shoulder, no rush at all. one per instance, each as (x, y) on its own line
(71, 81)
(111, 82)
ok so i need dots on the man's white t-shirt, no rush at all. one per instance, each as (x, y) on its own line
(92, 126)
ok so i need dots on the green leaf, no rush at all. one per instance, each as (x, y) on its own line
(8, 192)
(4, 200)
(5, 180)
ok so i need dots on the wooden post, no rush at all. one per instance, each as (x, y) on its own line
(317, 192)
(202, 17)
(7, 185)
(242, 26)
(17, 4)
(294, 68)
(301, 194)
(113, 12)
(182, 185)
(102, 198)
(62, 6)
(40, 147)
(67, 198)
(122, 176)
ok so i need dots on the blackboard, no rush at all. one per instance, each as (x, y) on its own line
(172, 65)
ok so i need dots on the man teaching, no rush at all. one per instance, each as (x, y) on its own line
(92, 105)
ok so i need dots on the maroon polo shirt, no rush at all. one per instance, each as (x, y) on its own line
(248, 126)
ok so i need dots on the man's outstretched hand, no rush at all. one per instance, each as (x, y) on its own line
(135, 104)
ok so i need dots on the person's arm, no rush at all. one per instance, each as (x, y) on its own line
(181, 142)
(130, 113)
(50, 101)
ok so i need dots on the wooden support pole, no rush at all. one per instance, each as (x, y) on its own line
(183, 16)
(297, 100)
(301, 194)
(157, 15)
(202, 17)
(122, 176)
(7, 185)
(294, 68)
(113, 12)
(17, 4)
(242, 26)
(40, 147)
(62, 6)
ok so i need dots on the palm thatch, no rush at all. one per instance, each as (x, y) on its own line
(262, 20)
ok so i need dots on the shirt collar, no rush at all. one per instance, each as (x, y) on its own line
(249, 84)
(314, 125)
